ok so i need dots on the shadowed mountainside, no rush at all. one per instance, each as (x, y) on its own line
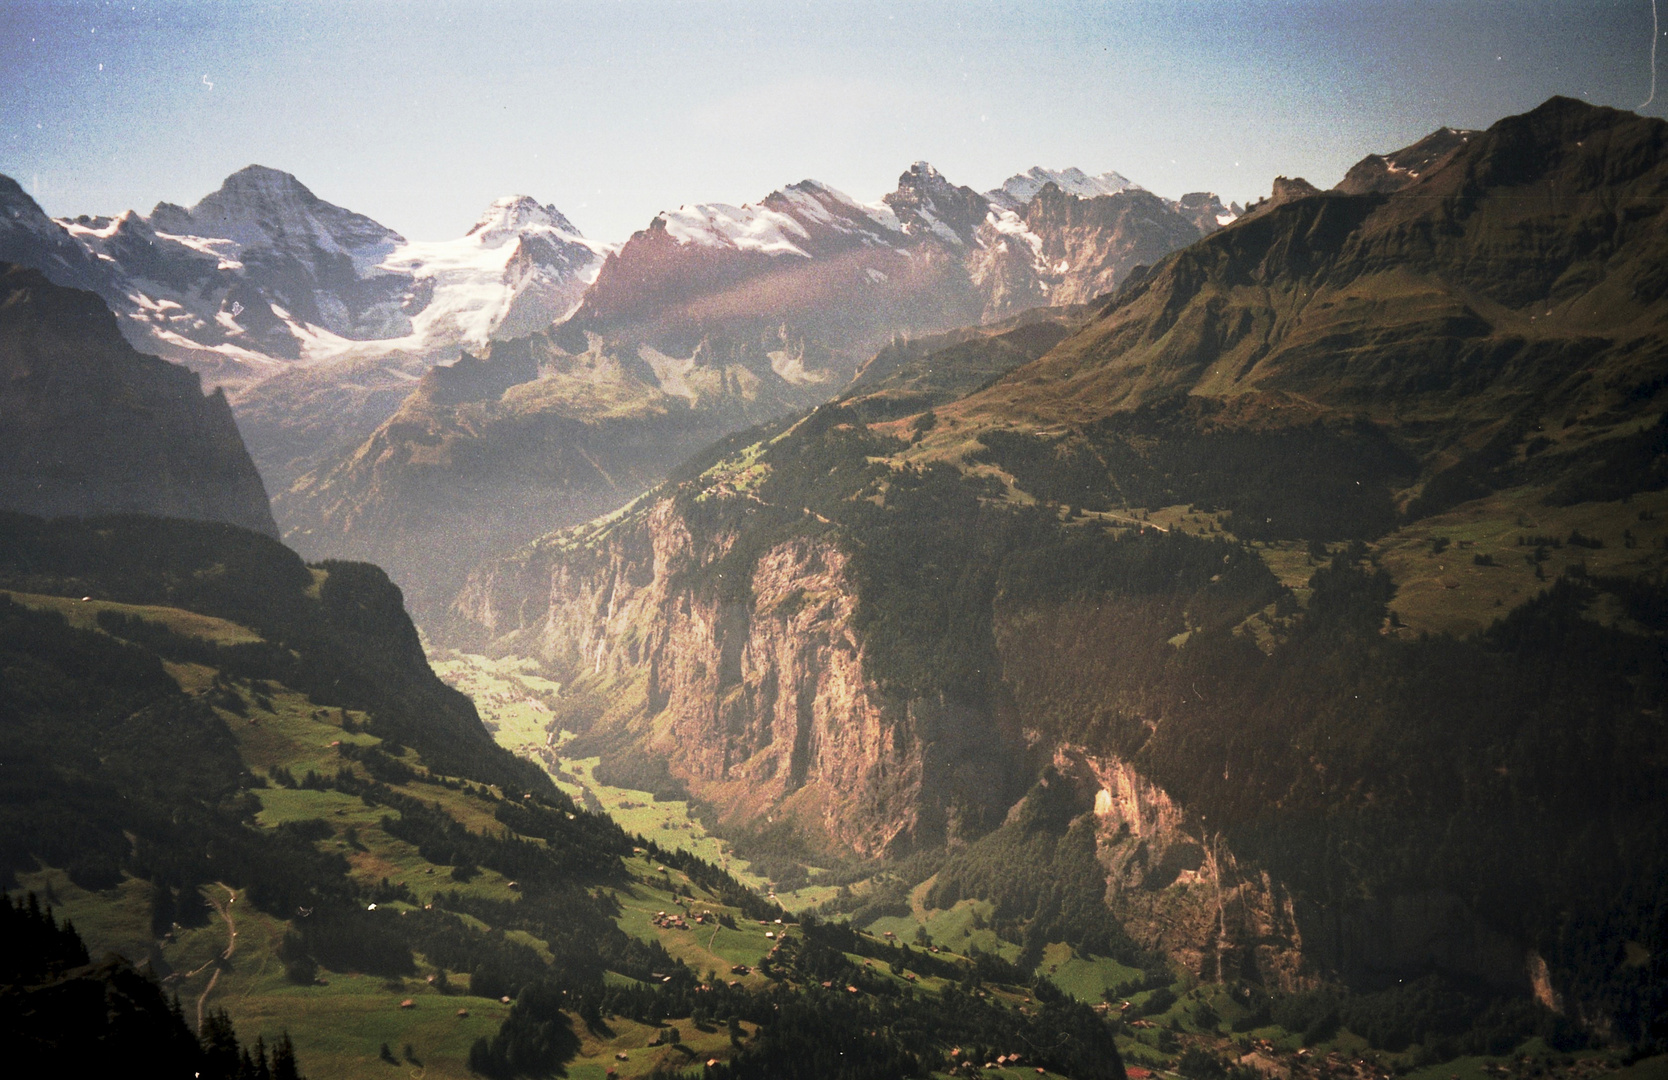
(89, 426)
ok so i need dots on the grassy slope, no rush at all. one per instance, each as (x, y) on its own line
(340, 1024)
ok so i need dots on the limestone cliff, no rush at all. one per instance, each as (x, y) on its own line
(761, 695)
(757, 693)
(1178, 889)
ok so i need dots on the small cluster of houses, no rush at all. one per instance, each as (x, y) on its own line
(675, 921)
(962, 1063)
(1277, 1064)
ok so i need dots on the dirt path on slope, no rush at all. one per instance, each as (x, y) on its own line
(219, 962)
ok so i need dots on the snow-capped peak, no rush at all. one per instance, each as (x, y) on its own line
(262, 272)
(1019, 189)
(744, 228)
(513, 215)
(259, 207)
(926, 202)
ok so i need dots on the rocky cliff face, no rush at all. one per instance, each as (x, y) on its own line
(845, 276)
(760, 696)
(1177, 888)
(1384, 173)
(1095, 243)
(89, 426)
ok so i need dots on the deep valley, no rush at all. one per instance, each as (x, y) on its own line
(1058, 631)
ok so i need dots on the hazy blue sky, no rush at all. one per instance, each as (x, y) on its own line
(420, 113)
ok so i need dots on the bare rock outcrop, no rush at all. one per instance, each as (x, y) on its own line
(756, 693)
(1178, 889)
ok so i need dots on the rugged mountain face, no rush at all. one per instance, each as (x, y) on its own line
(1396, 170)
(845, 277)
(262, 270)
(837, 274)
(29, 238)
(317, 321)
(914, 374)
(713, 319)
(1099, 241)
(1452, 316)
(1155, 506)
(1222, 921)
(262, 275)
(774, 709)
(89, 426)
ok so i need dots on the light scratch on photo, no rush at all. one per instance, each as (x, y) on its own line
(1655, 33)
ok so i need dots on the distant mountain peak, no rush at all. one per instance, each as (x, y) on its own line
(925, 202)
(749, 227)
(258, 205)
(262, 179)
(1020, 188)
(921, 176)
(513, 214)
(255, 186)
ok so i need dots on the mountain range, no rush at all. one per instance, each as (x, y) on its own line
(321, 323)
(712, 319)
(1224, 639)
(1318, 512)
(262, 274)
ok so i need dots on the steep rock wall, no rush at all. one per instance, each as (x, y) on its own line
(1178, 889)
(762, 705)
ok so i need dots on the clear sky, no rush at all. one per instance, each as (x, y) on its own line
(420, 113)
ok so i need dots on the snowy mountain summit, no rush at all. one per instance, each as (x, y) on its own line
(261, 208)
(1020, 188)
(262, 274)
(521, 266)
(513, 215)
